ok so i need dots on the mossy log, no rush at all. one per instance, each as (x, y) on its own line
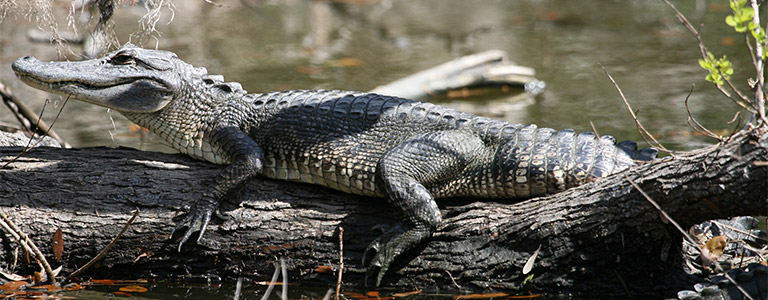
(602, 238)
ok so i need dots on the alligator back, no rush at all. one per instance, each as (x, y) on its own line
(337, 138)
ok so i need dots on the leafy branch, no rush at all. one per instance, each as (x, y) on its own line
(711, 64)
(720, 69)
(744, 18)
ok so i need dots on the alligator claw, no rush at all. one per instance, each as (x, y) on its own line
(375, 262)
(383, 251)
(196, 220)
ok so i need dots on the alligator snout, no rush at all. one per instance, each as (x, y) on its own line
(25, 59)
(23, 64)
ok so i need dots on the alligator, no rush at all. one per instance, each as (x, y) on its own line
(406, 151)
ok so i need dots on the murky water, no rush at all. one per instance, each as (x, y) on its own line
(301, 44)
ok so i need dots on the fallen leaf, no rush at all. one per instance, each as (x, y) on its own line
(47, 287)
(13, 285)
(122, 293)
(406, 293)
(58, 244)
(372, 294)
(38, 277)
(57, 271)
(74, 287)
(531, 260)
(481, 296)
(524, 297)
(12, 276)
(354, 295)
(133, 289)
(715, 246)
(103, 281)
(142, 255)
(324, 269)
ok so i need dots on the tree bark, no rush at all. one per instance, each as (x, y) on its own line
(603, 238)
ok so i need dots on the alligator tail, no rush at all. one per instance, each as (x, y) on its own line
(645, 154)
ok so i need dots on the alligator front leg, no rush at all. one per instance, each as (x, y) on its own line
(246, 157)
(405, 173)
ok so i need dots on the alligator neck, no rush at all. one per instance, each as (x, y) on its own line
(185, 124)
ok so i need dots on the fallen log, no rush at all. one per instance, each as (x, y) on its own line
(489, 68)
(602, 238)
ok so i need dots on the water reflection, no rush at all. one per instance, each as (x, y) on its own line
(357, 45)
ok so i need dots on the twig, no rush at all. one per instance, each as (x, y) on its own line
(737, 230)
(640, 128)
(23, 113)
(456, 284)
(680, 229)
(623, 284)
(738, 286)
(284, 295)
(28, 245)
(271, 283)
(328, 294)
(341, 262)
(594, 130)
(704, 51)
(664, 213)
(696, 125)
(238, 288)
(104, 251)
(29, 142)
(759, 67)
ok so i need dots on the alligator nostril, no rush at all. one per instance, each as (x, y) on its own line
(28, 57)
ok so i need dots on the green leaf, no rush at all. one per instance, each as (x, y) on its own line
(529, 278)
(747, 13)
(720, 69)
(704, 64)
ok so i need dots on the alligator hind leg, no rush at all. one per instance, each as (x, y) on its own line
(406, 173)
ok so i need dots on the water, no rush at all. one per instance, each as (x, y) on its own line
(251, 291)
(297, 44)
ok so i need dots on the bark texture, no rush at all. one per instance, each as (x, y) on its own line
(602, 238)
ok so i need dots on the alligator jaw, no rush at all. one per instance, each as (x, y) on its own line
(94, 84)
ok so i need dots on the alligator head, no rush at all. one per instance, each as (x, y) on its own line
(131, 79)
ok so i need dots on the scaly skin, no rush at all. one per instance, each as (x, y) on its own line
(406, 151)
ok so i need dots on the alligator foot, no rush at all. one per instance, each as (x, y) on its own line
(380, 259)
(390, 245)
(197, 219)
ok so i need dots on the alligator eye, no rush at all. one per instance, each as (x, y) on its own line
(122, 59)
